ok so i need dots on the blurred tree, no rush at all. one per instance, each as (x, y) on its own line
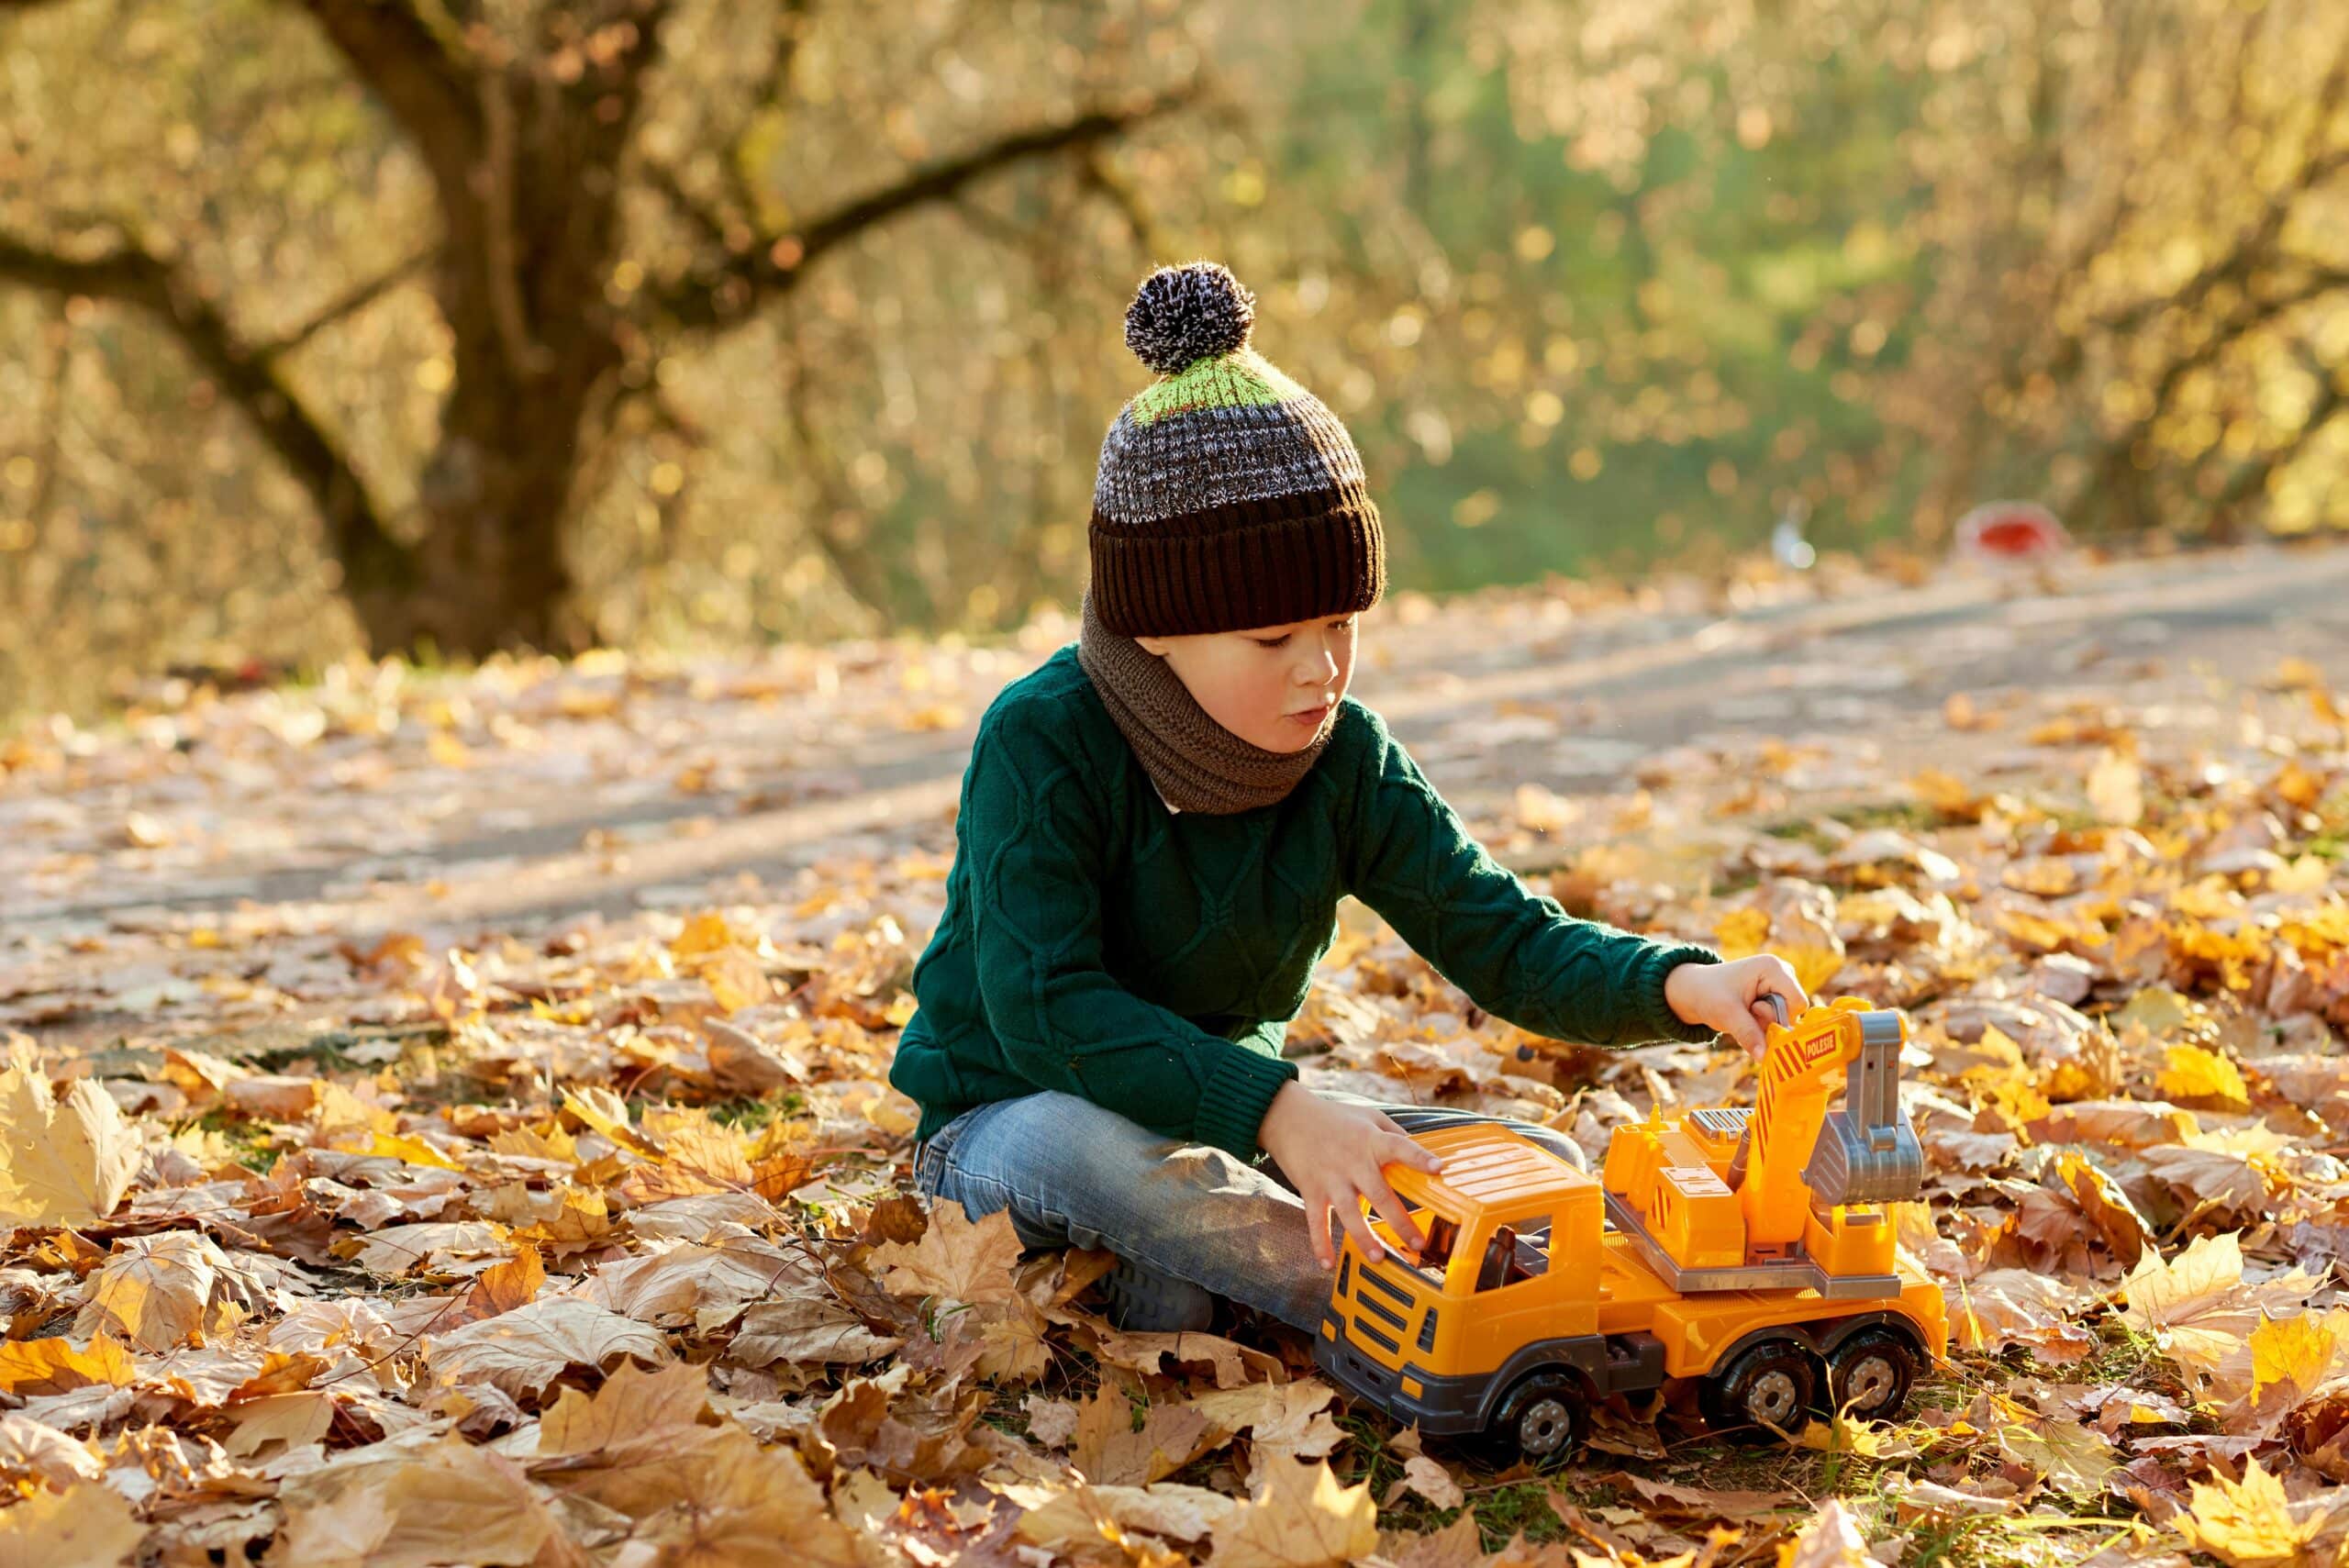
(528, 119)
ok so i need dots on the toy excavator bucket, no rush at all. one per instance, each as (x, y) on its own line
(1867, 1152)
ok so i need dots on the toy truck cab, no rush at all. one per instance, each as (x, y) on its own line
(1506, 1293)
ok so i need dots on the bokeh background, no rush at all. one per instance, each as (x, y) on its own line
(434, 327)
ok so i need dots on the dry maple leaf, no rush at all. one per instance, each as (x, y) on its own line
(2299, 1353)
(1287, 1421)
(1832, 1539)
(1430, 1480)
(2198, 1308)
(1460, 1544)
(62, 1160)
(57, 1365)
(153, 1291)
(632, 1404)
(89, 1526)
(33, 1450)
(450, 1502)
(523, 1351)
(1111, 1450)
(807, 1328)
(2250, 1523)
(954, 1258)
(710, 1498)
(1299, 1518)
(1077, 1521)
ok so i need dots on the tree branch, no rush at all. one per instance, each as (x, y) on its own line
(731, 293)
(128, 275)
(348, 305)
(419, 78)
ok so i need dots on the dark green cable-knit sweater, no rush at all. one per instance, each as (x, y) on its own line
(1096, 942)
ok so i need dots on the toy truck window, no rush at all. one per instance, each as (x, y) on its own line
(1508, 1258)
(1442, 1234)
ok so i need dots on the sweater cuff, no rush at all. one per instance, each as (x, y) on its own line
(1233, 1100)
(1656, 967)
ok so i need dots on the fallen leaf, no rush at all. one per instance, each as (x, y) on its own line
(1073, 1519)
(57, 1365)
(523, 1351)
(808, 1328)
(1298, 1518)
(62, 1160)
(31, 1450)
(1287, 1421)
(2199, 1077)
(2250, 1523)
(954, 1258)
(1112, 1451)
(450, 1502)
(89, 1526)
(710, 1498)
(632, 1404)
(2197, 1307)
(153, 1291)
(1830, 1538)
(1430, 1480)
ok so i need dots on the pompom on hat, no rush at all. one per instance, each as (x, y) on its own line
(1228, 496)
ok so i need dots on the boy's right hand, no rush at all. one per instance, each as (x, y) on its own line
(1333, 1152)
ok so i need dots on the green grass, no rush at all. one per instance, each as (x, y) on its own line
(252, 1144)
(751, 1113)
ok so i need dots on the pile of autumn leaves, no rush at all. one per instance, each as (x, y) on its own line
(492, 1281)
(343, 1357)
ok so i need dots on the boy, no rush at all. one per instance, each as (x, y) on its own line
(1156, 826)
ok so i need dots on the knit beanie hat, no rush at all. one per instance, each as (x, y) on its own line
(1228, 495)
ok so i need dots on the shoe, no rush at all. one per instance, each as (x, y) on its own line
(1143, 1301)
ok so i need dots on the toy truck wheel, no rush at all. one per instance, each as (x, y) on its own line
(1869, 1374)
(1771, 1385)
(1541, 1420)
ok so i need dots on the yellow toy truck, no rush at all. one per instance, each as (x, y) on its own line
(1748, 1248)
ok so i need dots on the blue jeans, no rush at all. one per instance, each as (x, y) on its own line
(1072, 1174)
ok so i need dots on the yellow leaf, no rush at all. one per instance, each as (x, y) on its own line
(1111, 1452)
(2117, 789)
(1832, 1539)
(1945, 793)
(54, 1365)
(90, 1527)
(64, 1161)
(1299, 1518)
(2198, 1308)
(2300, 1350)
(2249, 1523)
(415, 1150)
(1814, 966)
(2195, 1074)
(705, 933)
(1741, 932)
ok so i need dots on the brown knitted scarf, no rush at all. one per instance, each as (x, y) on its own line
(1196, 763)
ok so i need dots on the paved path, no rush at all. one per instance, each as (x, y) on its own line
(1488, 693)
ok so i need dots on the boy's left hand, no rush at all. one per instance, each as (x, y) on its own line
(1729, 996)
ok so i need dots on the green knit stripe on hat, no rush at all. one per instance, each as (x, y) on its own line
(1242, 379)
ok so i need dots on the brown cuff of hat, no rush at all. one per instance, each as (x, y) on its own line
(1248, 564)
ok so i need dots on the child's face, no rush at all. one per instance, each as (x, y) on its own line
(1276, 686)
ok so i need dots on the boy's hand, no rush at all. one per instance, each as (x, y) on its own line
(1333, 1151)
(1729, 996)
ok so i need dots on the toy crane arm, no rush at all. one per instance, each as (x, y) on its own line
(1796, 1155)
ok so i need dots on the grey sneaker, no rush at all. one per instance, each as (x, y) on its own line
(1143, 1301)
